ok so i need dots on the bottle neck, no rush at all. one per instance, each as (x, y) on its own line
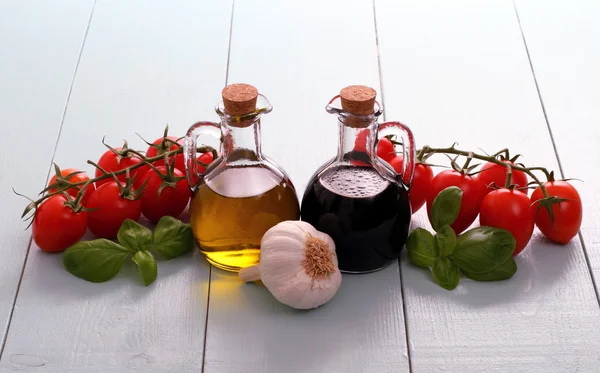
(241, 141)
(356, 143)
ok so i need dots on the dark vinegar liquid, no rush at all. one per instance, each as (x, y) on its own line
(367, 216)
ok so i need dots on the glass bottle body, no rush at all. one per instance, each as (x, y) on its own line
(238, 198)
(360, 201)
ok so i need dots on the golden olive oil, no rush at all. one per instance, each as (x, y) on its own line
(231, 212)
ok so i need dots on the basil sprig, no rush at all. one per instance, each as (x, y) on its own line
(481, 254)
(100, 260)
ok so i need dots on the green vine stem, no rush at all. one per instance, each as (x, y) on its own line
(126, 151)
(428, 151)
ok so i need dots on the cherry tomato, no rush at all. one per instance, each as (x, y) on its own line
(111, 162)
(74, 179)
(171, 201)
(421, 185)
(158, 149)
(492, 173)
(360, 143)
(511, 210)
(56, 226)
(385, 149)
(473, 193)
(111, 210)
(205, 158)
(567, 214)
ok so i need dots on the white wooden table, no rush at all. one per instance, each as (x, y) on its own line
(487, 74)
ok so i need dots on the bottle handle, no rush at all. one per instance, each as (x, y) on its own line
(190, 149)
(408, 148)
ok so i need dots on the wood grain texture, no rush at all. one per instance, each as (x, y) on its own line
(145, 64)
(458, 71)
(300, 54)
(32, 102)
(562, 39)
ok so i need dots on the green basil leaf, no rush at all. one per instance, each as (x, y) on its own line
(445, 273)
(445, 207)
(134, 236)
(421, 248)
(483, 249)
(504, 272)
(95, 261)
(445, 241)
(147, 266)
(172, 237)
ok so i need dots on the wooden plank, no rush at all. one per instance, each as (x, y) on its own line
(145, 64)
(562, 38)
(300, 54)
(458, 71)
(32, 102)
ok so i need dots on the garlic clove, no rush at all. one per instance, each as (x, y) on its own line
(298, 265)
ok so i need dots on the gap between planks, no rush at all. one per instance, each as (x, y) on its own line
(210, 266)
(560, 166)
(405, 319)
(50, 168)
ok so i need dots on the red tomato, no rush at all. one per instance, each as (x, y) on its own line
(385, 149)
(567, 214)
(111, 210)
(74, 179)
(421, 185)
(111, 162)
(158, 149)
(360, 143)
(511, 210)
(56, 226)
(205, 158)
(172, 200)
(495, 173)
(473, 193)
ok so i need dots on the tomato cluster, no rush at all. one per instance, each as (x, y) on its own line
(486, 195)
(509, 206)
(152, 189)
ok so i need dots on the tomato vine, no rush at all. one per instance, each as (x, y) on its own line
(62, 185)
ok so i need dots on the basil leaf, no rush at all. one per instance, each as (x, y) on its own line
(134, 236)
(504, 272)
(172, 237)
(483, 249)
(445, 207)
(445, 273)
(95, 261)
(445, 241)
(421, 248)
(147, 266)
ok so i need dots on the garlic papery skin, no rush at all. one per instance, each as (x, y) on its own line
(298, 265)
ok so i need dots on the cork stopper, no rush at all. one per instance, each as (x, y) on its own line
(358, 99)
(239, 99)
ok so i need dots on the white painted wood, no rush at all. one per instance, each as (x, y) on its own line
(300, 54)
(458, 71)
(562, 38)
(144, 64)
(32, 100)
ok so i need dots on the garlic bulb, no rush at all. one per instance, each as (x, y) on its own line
(298, 265)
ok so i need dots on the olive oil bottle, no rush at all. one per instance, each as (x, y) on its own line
(242, 193)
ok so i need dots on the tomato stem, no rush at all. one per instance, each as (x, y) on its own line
(508, 175)
(427, 150)
(62, 184)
